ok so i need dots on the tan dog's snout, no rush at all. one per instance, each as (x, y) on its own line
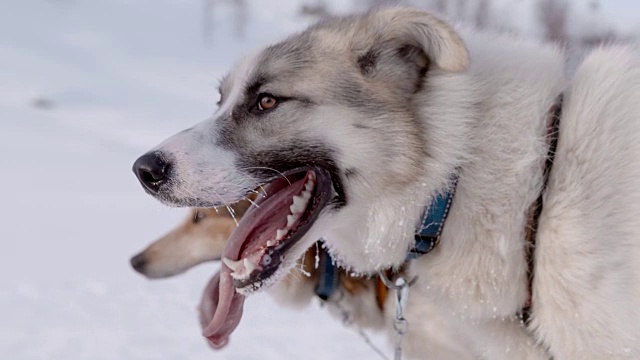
(200, 237)
(138, 261)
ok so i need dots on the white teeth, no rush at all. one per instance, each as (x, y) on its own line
(233, 265)
(280, 234)
(306, 195)
(248, 265)
(290, 220)
(239, 276)
(242, 269)
(308, 186)
(299, 202)
(270, 243)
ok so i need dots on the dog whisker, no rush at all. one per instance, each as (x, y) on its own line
(252, 202)
(232, 213)
(297, 273)
(268, 168)
(263, 191)
(303, 271)
(229, 209)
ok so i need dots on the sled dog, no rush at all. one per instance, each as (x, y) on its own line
(200, 237)
(356, 127)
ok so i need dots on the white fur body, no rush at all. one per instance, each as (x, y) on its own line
(587, 259)
(587, 279)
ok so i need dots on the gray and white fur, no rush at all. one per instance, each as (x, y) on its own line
(393, 103)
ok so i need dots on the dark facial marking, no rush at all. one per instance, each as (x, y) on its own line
(350, 172)
(416, 57)
(361, 126)
(349, 92)
(254, 85)
(367, 62)
(291, 157)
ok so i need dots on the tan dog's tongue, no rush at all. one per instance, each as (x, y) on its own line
(220, 309)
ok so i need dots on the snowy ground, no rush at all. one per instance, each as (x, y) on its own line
(120, 75)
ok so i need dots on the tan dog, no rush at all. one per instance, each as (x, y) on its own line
(199, 238)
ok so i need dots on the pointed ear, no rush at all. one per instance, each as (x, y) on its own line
(411, 30)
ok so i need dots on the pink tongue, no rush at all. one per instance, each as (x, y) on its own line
(220, 313)
(221, 305)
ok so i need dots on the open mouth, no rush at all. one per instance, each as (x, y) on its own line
(257, 248)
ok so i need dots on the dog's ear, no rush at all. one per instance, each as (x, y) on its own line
(388, 41)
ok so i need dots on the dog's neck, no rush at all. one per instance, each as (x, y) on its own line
(489, 124)
(509, 95)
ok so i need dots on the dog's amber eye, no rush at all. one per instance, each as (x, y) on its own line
(266, 102)
(198, 216)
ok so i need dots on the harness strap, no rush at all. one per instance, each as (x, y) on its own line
(553, 127)
(381, 291)
(329, 278)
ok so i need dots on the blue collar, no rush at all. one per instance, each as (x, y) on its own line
(426, 239)
(428, 235)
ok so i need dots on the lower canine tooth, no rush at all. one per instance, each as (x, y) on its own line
(280, 233)
(270, 243)
(248, 265)
(233, 265)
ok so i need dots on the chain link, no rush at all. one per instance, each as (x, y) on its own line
(400, 324)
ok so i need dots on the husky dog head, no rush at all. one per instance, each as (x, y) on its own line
(326, 124)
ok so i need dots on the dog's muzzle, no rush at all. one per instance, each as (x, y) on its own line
(151, 170)
(138, 262)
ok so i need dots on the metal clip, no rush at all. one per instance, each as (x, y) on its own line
(391, 285)
(400, 324)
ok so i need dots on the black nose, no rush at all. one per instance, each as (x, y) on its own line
(138, 262)
(151, 169)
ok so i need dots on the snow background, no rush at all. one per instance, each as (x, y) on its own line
(122, 75)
